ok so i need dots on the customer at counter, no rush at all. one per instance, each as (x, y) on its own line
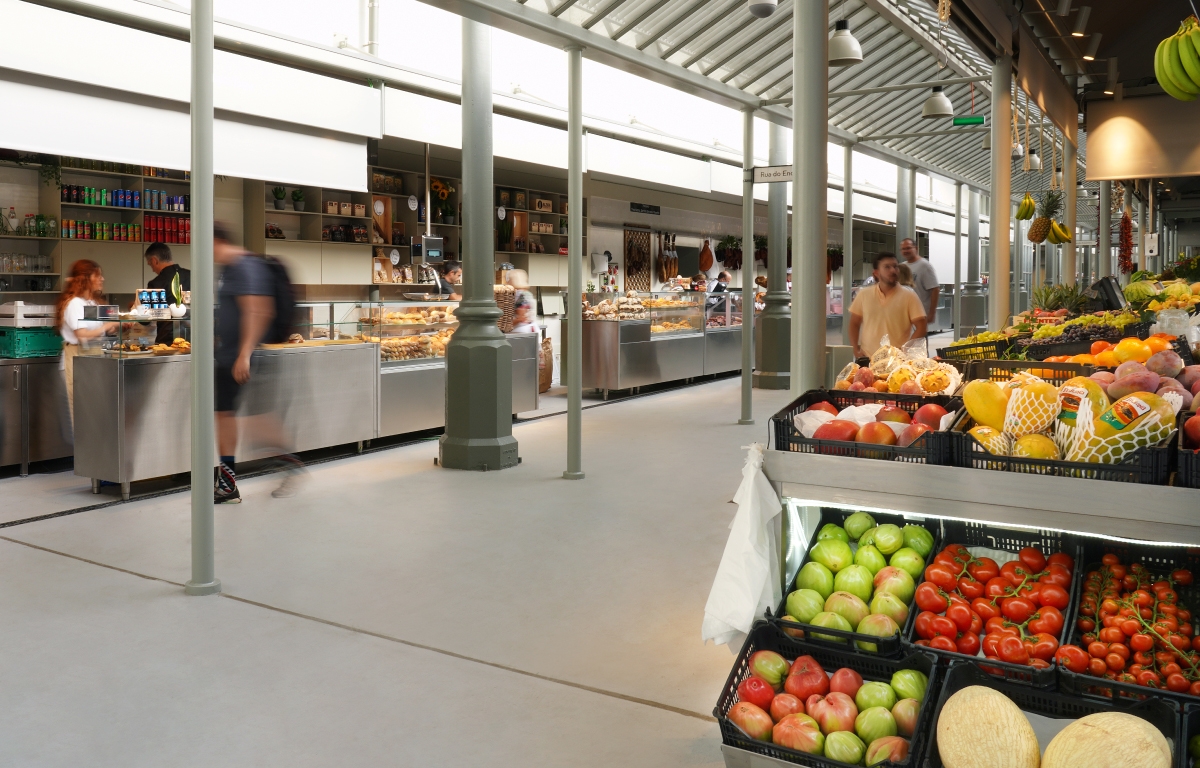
(83, 286)
(450, 278)
(524, 303)
(885, 308)
(158, 258)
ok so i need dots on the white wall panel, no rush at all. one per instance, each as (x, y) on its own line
(941, 256)
(630, 161)
(252, 151)
(420, 118)
(529, 142)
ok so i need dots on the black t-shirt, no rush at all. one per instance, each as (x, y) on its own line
(166, 328)
(445, 286)
(248, 276)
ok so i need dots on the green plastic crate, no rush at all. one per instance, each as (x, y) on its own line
(30, 342)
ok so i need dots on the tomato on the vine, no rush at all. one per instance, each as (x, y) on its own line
(1177, 683)
(1120, 649)
(983, 568)
(1141, 642)
(1182, 576)
(1097, 667)
(960, 615)
(1149, 678)
(970, 588)
(997, 586)
(1049, 619)
(944, 626)
(1017, 609)
(1054, 595)
(1012, 650)
(923, 626)
(1032, 558)
(930, 598)
(1073, 658)
(942, 643)
(1131, 627)
(976, 623)
(985, 608)
(1044, 646)
(1110, 559)
(1142, 658)
(942, 576)
(997, 624)
(1111, 635)
(1063, 559)
(968, 643)
(1014, 571)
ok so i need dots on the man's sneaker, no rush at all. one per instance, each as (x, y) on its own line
(225, 491)
(296, 474)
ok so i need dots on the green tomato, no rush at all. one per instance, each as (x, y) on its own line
(833, 531)
(816, 577)
(875, 694)
(868, 557)
(919, 539)
(910, 684)
(909, 560)
(868, 537)
(888, 538)
(832, 621)
(875, 723)
(803, 604)
(834, 554)
(858, 524)
(845, 747)
(856, 580)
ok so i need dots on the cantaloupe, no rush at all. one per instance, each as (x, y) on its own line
(1108, 740)
(982, 728)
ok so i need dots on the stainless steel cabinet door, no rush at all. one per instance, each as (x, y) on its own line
(10, 414)
(49, 421)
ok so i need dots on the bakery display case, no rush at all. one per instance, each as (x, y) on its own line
(675, 313)
(722, 332)
(409, 333)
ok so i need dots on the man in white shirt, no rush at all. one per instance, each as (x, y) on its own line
(925, 281)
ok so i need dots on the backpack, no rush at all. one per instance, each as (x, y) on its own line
(283, 324)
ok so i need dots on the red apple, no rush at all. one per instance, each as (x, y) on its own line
(930, 414)
(912, 432)
(806, 678)
(752, 719)
(799, 732)
(892, 413)
(829, 408)
(1191, 431)
(785, 704)
(837, 429)
(756, 691)
(846, 681)
(835, 712)
(876, 432)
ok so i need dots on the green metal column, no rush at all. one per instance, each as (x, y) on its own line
(747, 416)
(999, 256)
(775, 324)
(810, 162)
(204, 580)
(478, 357)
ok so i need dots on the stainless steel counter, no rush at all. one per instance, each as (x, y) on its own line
(722, 349)
(34, 423)
(133, 420)
(412, 393)
(624, 354)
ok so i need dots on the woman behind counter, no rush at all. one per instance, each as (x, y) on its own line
(84, 284)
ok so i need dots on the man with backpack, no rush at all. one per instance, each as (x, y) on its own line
(255, 304)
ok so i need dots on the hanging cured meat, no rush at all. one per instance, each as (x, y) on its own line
(706, 256)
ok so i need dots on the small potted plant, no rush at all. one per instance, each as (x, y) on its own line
(562, 226)
(278, 193)
(177, 307)
(298, 199)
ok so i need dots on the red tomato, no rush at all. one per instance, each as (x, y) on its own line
(1186, 629)
(970, 588)
(1118, 571)
(1097, 650)
(944, 626)
(983, 569)
(996, 624)
(945, 558)
(1142, 659)
(968, 643)
(1111, 635)
(1120, 649)
(923, 624)
(1063, 559)
(1141, 642)
(1130, 627)
(1149, 678)
(943, 643)
(1194, 689)
(1039, 663)
(1049, 619)
(1032, 558)
(923, 643)
(1097, 667)
(1012, 650)
(1183, 614)
(997, 587)
(1013, 571)
(976, 623)
(1180, 642)
(985, 608)
(1085, 624)
(930, 598)
(1168, 609)
(960, 615)
(1177, 683)
(990, 643)
(942, 576)
(1196, 643)
(1056, 574)
(1045, 646)
(1073, 658)
(1169, 669)
(1017, 609)
(956, 599)
(1110, 560)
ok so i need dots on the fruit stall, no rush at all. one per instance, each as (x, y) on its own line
(998, 574)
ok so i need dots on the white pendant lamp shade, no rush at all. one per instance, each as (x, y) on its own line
(762, 8)
(844, 49)
(1035, 162)
(937, 105)
(1018, 151)
(987, 140)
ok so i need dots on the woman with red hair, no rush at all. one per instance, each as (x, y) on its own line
(84, 284)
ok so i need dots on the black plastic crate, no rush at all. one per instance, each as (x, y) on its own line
(1184, 350)
(1157, 712)
(930, 448)
(1151, 465)
(971, 534)
(1187, 470)
(1189, 727)
(887, 646)
(1042, 351)
(1160, 560)
(979, 350)
(764, 636)
(1003, 370)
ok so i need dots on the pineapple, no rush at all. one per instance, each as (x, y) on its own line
(1047, 209)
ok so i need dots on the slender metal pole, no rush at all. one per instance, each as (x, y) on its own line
(1069, 259)
(999, 257)
(956, 312)
(428, 198)
(747, 416)
(574, 264)
(1141, 215)
(847, 237)
(906, 185)
(773, 330)
(810, 129)
(1018, 263)
(373, 27)
(204, 580)
(1104, 232)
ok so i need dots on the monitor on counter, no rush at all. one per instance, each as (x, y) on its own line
(1107, 291)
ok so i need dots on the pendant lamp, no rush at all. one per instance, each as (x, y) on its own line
(987, 140)
(762, 8)
(937, 105)
(1035, 162)
(844, 49)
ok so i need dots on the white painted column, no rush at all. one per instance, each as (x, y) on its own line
(999, 283)
(747, 415)
(847, 237)
(574, 359)
(1067, 275)
(956, 312)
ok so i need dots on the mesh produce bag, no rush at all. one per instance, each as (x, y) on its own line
(1031, 406)
(1091, 448)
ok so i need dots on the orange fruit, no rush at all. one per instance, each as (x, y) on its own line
(1083, 359)
(1057, 359)
(1107, 359)
(1100, 346)
(1132, 349)
(1158, 343)
(881, 385)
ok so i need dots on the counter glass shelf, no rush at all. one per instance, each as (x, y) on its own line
(723, 310)
(133, 335)
(409, 331)
(675, 314)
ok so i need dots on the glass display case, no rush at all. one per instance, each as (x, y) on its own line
(410, 330)
(323, 322)
(134, 333)
(723, 310)
(675, 313)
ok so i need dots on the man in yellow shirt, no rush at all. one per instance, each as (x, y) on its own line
(885, 308)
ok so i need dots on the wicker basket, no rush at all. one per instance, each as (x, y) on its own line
(506, 300)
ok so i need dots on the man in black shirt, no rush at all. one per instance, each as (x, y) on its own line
(158, 258)
(451, 277)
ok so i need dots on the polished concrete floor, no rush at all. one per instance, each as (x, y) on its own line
(392, 613)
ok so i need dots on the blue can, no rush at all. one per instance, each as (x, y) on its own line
(137, 199)
(154, 199)
(121, 198)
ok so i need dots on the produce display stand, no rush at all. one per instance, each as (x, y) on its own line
(741, 751)
(1187, 472)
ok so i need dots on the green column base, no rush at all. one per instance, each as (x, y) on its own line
(774, 367)
(478, 396)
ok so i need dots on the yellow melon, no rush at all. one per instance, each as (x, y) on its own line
(1073, 392)
(986, 401)
(1108, 739)
(1130, 411)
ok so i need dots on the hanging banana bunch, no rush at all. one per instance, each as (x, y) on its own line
(1177, 61)
(1027, 208)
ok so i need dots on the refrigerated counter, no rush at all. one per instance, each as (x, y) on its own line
(34, 423)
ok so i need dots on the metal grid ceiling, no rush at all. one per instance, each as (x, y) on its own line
(721, 40)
